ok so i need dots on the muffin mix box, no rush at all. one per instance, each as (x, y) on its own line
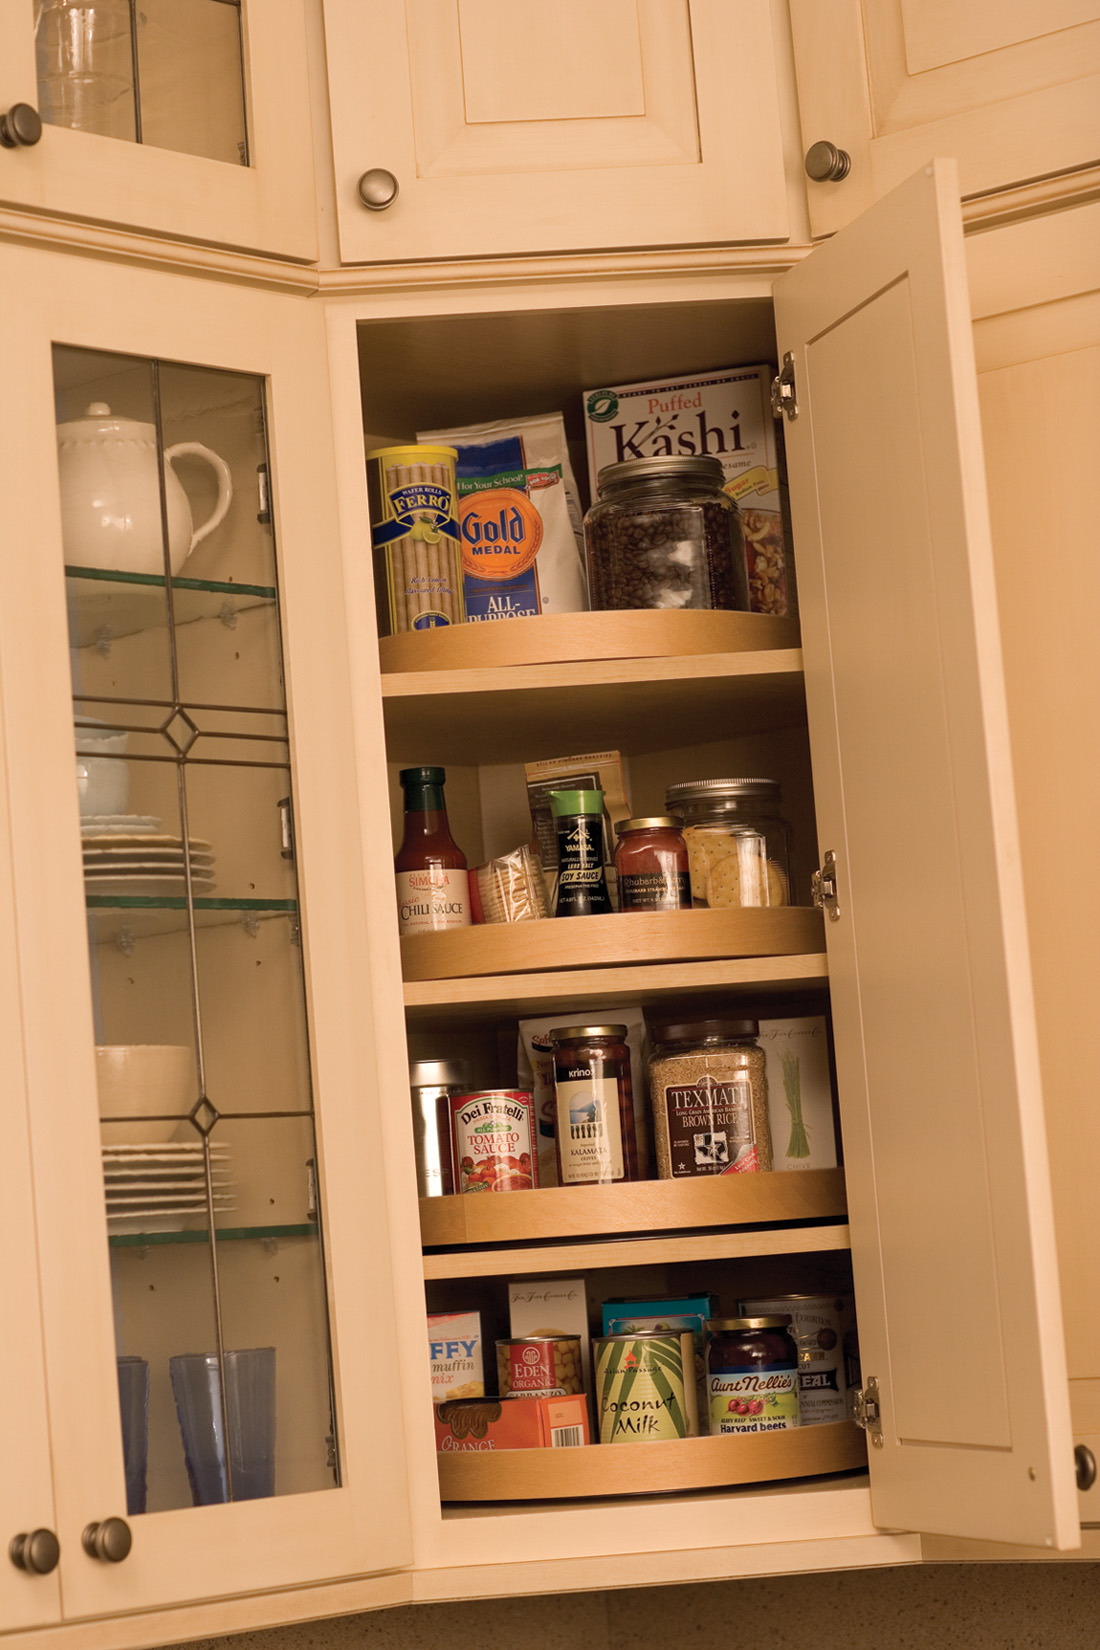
(454, 1348)
(726, 414)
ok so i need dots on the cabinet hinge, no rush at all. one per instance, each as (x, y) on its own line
(866, 1412)
(823, 887)
(784, 398)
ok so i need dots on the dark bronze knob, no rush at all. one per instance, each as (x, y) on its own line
(1085, 1462)
(20, 127)
(37, 1551)
(377, 189)
(109, 1541)
(825, 163)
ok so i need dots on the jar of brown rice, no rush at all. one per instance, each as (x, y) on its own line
(709, 1095)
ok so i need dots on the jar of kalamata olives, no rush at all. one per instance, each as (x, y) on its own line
(752, 1374)
(662, 533)
(738, 842)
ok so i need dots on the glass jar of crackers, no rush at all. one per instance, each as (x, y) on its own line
(738, 842)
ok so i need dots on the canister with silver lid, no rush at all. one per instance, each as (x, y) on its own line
(664, 534)
(738, 842)
(432, 1083)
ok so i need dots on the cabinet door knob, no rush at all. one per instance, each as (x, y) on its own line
(825, 163)
(20, 126)
(377, 189)
(36, 1550)
(1085, 1462)
(109, 1541)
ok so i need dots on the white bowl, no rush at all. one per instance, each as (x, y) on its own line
(140, 1081)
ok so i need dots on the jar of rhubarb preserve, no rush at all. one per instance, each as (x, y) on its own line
(593, 1105)
(662, 533)
(709, 1092)
(738, 842)
(752, 1374)
(651, 862)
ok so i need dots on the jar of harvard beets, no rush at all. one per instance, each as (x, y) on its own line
(662, 533)
(752, 1374)
(651, 863)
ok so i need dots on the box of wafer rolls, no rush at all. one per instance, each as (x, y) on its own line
(414, 532)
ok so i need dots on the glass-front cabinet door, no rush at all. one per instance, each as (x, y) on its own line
(192, 947)
(183, 117)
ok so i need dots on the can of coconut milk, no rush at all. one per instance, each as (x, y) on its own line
(645, 1386)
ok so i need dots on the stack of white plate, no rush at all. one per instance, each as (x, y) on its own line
(129, 854)
(163, 1188)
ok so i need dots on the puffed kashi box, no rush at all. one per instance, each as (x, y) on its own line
(511, 1423)
(727, 415)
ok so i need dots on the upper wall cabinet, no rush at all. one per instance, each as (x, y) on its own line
(181, 118)
(464, 129)
(1011, 90)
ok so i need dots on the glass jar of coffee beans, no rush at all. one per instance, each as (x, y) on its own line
(663, 534)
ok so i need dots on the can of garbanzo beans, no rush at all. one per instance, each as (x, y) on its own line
(539, 1366)
(645, 1386)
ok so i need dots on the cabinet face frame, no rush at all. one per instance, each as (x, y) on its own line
(1013, 115)
(447, 1545)
(268, 206)
(297, 1539)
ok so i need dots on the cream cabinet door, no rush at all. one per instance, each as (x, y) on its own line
(1010, 88)
(199, 128)
(225, 677)
(552, 128)
(945, 1153)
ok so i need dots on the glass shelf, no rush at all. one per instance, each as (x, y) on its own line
(229, 1234)
(141, 918)
(105, 605)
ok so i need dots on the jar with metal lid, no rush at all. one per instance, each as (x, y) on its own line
(709, 1092)
(738, 842)
(662, 533)
(432, 1083)
(651, 864)
(752, 1374)
(594, 1105)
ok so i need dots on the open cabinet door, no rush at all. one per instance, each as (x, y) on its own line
(949, 1195)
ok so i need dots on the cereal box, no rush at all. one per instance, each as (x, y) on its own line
(512, 1423)
(726, 414)
(454, 1346)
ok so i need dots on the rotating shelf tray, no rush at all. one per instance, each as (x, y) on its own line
(649, 1469)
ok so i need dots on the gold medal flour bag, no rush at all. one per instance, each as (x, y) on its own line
(520, 525)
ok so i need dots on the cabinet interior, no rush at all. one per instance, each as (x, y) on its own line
(446, 371)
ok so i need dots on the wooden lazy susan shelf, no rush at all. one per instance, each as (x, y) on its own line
(621, 937)
(552, 638)
(649, 1469)
(557, 1212)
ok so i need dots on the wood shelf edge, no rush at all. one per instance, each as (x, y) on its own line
(633, 1469)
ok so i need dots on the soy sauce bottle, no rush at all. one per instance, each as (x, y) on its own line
(433, 890)
(582, 883)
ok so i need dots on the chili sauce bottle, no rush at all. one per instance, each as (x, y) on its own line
(430, 868)
(582, 882)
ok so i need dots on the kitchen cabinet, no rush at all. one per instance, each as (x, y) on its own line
(188, 122)
(905, 777)
(1010, 90)
(459, 132)
(225, 676)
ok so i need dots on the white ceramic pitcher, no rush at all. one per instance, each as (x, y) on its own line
(110, 498)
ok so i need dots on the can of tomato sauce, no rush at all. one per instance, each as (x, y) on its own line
(492, 1132)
